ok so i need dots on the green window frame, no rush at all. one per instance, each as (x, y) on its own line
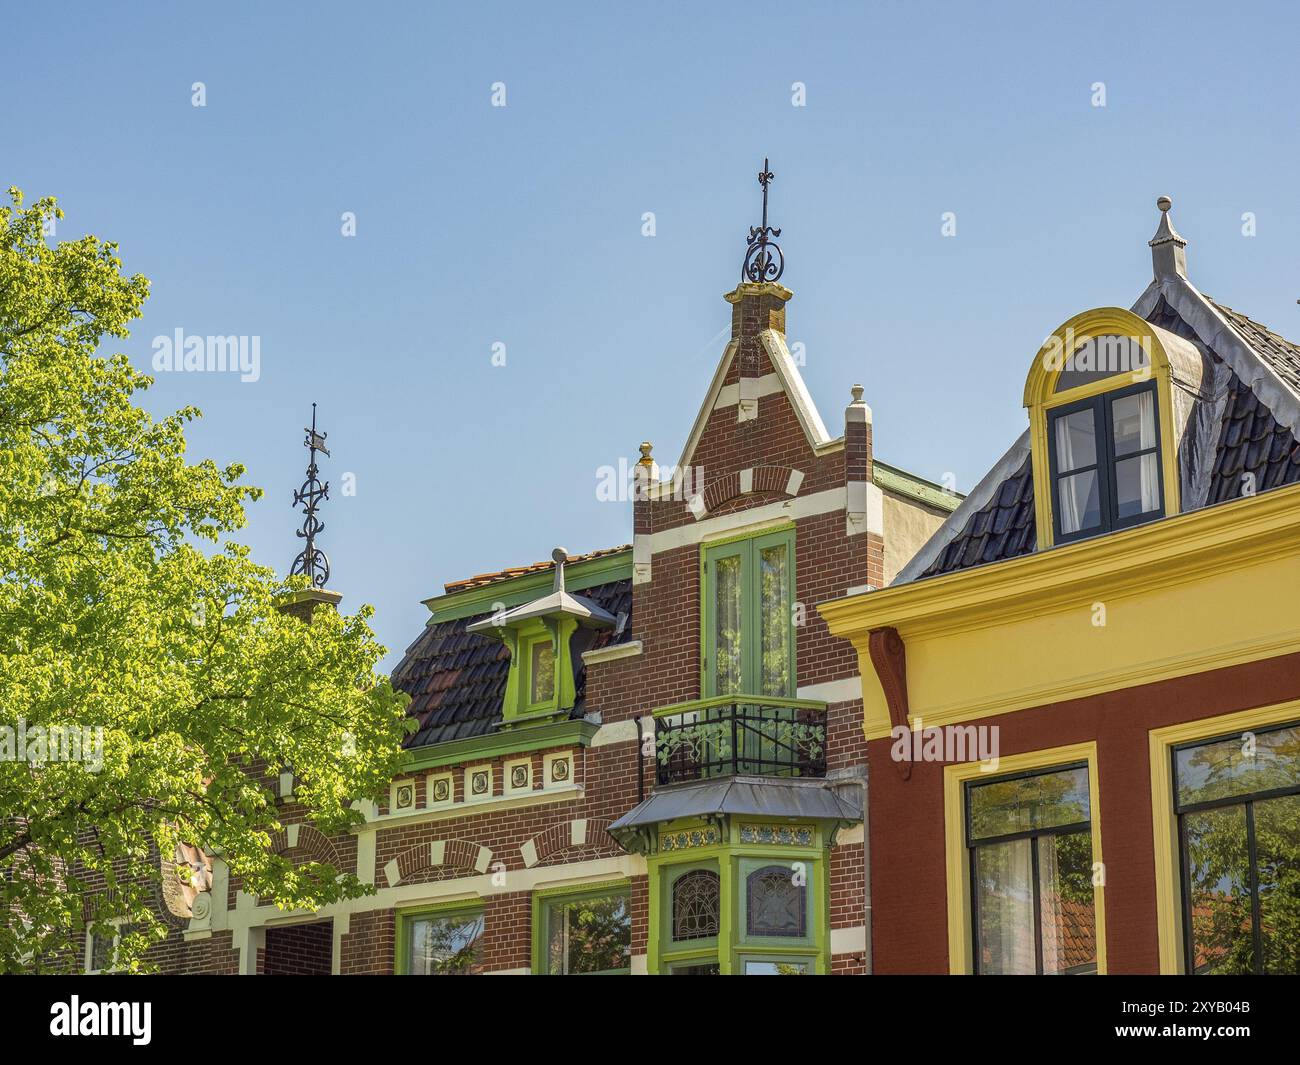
(528, 647)
(702, 950)
(464, 913)
(804, 962)
(548, 906)
(748, 647)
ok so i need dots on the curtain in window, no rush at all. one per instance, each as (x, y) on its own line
(1078, 498)
(1150, 477)
(1005, 907)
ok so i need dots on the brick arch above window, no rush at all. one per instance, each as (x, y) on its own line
(581, 832)
(757, 480)
(456, 854)
(317, 846)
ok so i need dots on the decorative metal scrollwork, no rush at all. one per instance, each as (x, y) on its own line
(311, 560)
(764, 260)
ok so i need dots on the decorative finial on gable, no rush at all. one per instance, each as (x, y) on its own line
(857, 391)
(764, 260)
(560, 557)
(1168, 254)
(646, 448)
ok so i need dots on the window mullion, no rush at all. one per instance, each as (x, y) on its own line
(1107, 489)
(1257, 936)
(1038, 906)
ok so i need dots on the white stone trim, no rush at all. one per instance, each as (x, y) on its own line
(640, 965)
(612, 652)
(844, 690)
(508, 767)
(793, 482)
(852, 834)
(849, 940)
(615, 732)
(804, 407)
(767, 385)
(864, 510)
(291, 834)
(578, 832)
(528, 851)
(746, 481)
(430, 779)
(484, 860)
(392, 875)
(824, 502)
(697, 506)
(465, 809)
(438, 852)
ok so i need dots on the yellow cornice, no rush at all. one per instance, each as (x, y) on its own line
(1164, 552)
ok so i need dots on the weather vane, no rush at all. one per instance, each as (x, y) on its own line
(764, 260)
(311, 560)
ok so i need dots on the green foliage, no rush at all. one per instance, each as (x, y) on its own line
(123, 606)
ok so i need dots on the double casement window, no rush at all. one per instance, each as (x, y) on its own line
(1029, 849)
(748, 620)
(1237, 801)
(584, 933)
(448, 943)
(1105, 462)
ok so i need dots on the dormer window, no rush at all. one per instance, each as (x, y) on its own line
(541, 672)
(1108, 401)
(1105, 459)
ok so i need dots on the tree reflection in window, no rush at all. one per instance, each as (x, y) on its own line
(447, 946)
(1238, 804)
(695, 905)
(776, 905)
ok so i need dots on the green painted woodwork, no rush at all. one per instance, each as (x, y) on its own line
(515, 591)
(543, 899)
(404, 919)
(575, 732)
(902, 483)
(742, 607)
(725, 700)
(733, 860)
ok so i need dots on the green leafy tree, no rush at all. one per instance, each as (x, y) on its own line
(124, 607)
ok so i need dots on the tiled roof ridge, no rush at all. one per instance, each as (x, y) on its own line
(483, 579)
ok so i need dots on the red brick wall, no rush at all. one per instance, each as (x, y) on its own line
(297, 950)
(909, 888)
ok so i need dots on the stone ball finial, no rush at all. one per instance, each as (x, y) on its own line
(559, 555)
(857, 391)
(1164, 203)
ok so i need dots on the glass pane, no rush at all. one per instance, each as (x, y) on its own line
(1079, 502)
(1133, 421)
(1099, 358)
(1277, 850)
(1024, 804)
(699, 969)
(589, 935)
(1004, 907)
(776, 968)
(447, 946)
(1065, 903)
(1137, 485)
(1251, 762)
(1219, 890)
(775, 609)
(1076, 440)
(695, 905)
(101, 953)
(542, 672)
(775, 904)
(726, 622)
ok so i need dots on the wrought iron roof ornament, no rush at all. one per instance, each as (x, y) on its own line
(311, 560)
(764, 261)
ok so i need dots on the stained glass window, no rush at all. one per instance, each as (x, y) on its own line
(696, 897)
(776, 903)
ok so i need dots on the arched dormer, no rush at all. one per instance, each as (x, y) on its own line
(1108, 395)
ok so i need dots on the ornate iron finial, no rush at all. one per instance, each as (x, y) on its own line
(764, 260)
(311, 560)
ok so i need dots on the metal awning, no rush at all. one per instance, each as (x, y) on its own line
(810, 799)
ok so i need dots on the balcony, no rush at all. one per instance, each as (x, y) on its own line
(739, 735)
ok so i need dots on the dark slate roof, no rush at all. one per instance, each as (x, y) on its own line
(457, 679)
(1251, 440)
(1002, 528)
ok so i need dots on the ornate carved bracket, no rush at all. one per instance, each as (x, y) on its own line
(889, 657)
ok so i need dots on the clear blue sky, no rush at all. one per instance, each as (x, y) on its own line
(522, 225)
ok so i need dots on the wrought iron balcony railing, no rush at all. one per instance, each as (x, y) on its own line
(731, 735)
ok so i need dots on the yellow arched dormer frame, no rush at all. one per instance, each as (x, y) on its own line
(1042, 397)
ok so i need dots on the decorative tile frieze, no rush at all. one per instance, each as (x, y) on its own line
(780, 835)
(688, 838)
